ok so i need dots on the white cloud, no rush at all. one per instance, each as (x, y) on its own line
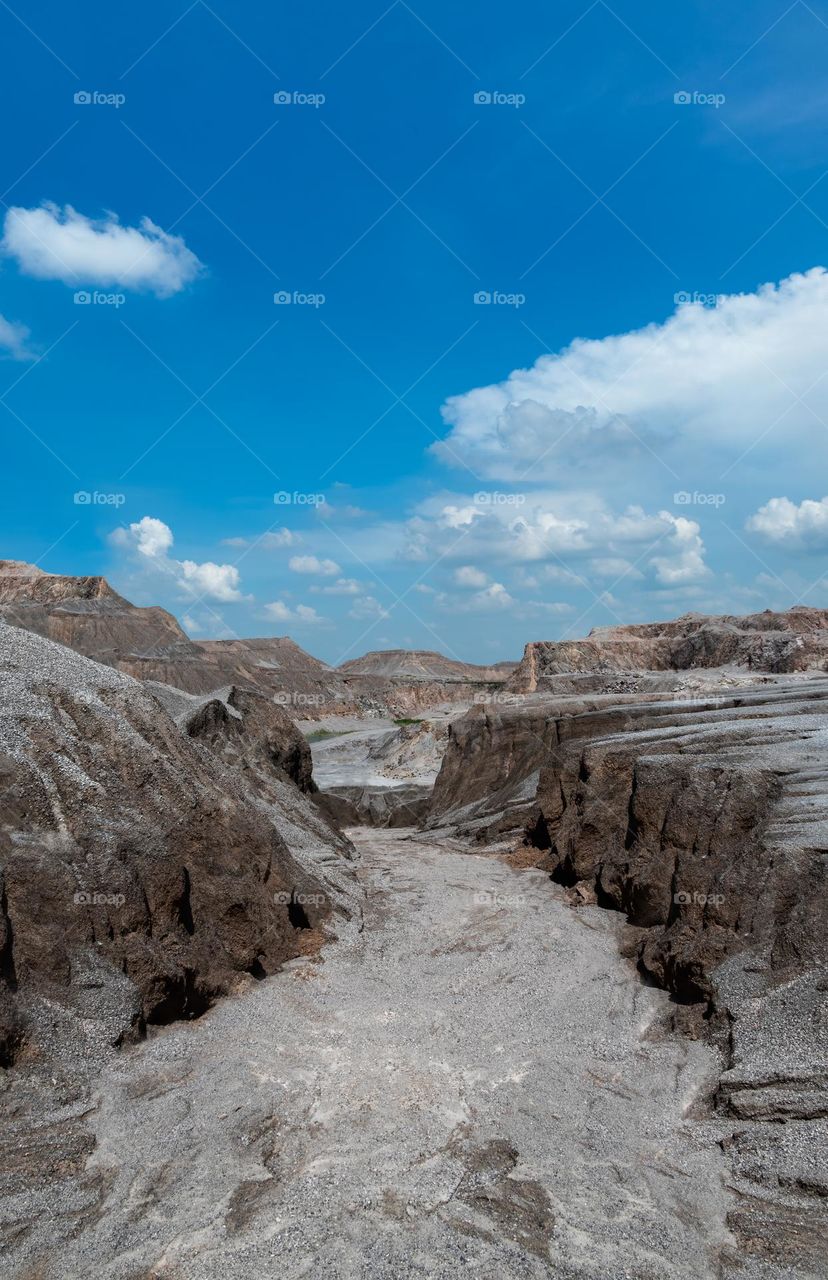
(783, 523)
(51, 243)
(311, 564)
(152, 539)
(342, 587)
(303, 614)
(492, 599)
(685, 560)
(14, 340)
(148, 535)
(327, 511)
(268, 541)
(716, 377)
(469, 576)
(367, 607)
(213, 581)
(564, 537)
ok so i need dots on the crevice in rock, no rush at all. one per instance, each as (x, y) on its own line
(185, 911)
(297, 915)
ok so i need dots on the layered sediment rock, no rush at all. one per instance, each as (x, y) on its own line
(778, 642)
(87, 615)
(142, 868)
(706, 822)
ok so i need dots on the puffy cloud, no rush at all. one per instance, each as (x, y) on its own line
(312, 564)
(367, 607)
(468, 576)
(493, 598)
(783, 523)
(14, 340)
(685, 560)
(148, 535)
(303, 614)
(562, 536)
(213, 581)
(152, 539)
(718, 376)
(51, 243)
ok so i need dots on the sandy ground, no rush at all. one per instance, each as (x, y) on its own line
(474, 1085)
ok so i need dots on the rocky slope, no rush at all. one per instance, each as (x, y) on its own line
(87, 615)
(144, 865)
(704, 820)
(423, 664)
(779, 642)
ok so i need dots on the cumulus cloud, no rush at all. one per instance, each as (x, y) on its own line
(150, 536)
(51, 243)
(14, 340)
(469, 576)
(784, 524)
(685, 559)
(151, 539)
(720, 376)
(563, 537)
(367, 607)
(312, 564)
(303, 614)
(491, 599)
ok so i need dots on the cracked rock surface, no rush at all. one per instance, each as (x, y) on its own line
(473, 1084)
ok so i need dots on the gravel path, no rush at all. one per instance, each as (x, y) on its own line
(474, 1085)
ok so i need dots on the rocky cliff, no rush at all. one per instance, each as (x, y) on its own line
(145, 864)
(87, 615)
(705, 820)
(777, 642)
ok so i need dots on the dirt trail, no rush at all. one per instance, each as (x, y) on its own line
(474, 1085)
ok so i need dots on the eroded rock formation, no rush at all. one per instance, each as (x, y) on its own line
(793, 641)
(144, 865)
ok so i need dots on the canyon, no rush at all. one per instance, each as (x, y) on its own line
(410, 967)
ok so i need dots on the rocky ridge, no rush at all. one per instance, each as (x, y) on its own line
(146, 865)
(703, 817)
(87, 615)
(777, 642)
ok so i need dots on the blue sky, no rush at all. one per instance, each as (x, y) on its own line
(637, 188)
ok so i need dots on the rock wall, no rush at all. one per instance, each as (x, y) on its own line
(141, 870)
(778, 642)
